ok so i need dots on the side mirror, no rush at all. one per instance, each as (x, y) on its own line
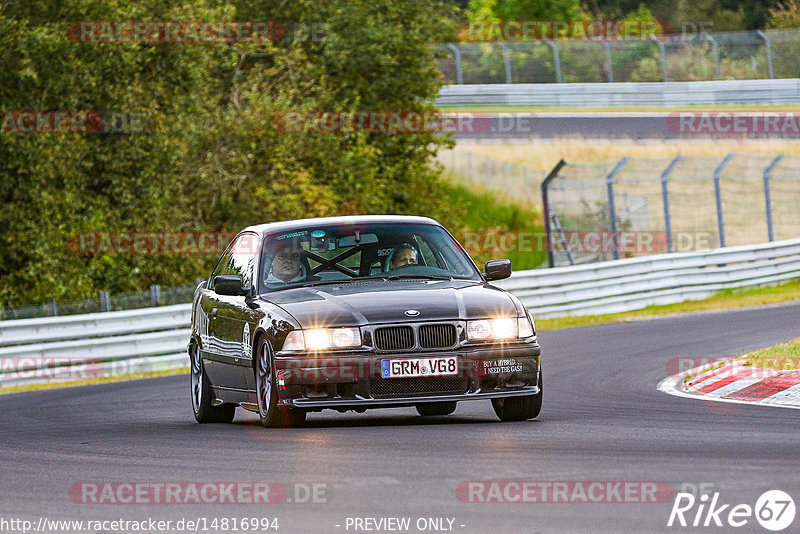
(228, 284)
(497, 269)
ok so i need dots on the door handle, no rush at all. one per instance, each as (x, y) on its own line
(214, 313)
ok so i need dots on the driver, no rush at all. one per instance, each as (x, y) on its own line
(286, 266)
(404, 254)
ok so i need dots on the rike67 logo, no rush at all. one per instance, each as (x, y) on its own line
(774, 510)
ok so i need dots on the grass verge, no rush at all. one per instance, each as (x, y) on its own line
(542, 155)
(782, 357)
(491, 227)
(726, 299)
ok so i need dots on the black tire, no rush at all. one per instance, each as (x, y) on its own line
(436, 408)
(202, 396)
(519, 408)
(268, 411)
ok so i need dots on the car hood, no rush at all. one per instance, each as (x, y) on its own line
(372, 302)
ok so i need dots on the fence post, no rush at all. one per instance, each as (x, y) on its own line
(53, 307)
(556, 59)
(769, 54)
(155, 294)
(714, 52)
(718, 195)
(546, 209)
(768, 194)
(663, 51)
(609, 65)
(105, 301)
(665, 197)
(506, 59)
(457, 57)
(611, 208)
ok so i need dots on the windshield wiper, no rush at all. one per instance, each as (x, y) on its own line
(418, 276)
(333, 282)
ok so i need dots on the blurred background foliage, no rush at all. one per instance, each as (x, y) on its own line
(209, 158)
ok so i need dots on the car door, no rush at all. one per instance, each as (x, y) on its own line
(234, 320)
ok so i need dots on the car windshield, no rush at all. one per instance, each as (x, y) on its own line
(319, 255)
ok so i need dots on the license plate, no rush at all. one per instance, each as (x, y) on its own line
(414, 367)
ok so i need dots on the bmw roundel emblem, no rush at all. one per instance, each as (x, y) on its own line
(412, 313)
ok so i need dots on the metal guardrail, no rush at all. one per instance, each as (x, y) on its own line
(91, 325)
(88, 343)
(75, 347)
(634, 283)
(667, 94)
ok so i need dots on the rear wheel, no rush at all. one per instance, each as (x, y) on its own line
(519, 408)
(269, 412)
(436, 408)
(202, 396)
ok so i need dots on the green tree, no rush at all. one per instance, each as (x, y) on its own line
(785, 16)
(210, 157)
(546, 10)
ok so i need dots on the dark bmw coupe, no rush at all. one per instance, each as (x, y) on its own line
(351, 313)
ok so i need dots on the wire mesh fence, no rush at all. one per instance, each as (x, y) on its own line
(504, 178)
(640, 206)
(679, 57)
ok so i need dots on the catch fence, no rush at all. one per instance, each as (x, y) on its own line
(640, 206)
(679, 57)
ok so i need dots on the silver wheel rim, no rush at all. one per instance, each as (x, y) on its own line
(264, 376)
(197, 379)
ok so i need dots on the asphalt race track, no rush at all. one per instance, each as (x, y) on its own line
(608, 125)
(603, 420)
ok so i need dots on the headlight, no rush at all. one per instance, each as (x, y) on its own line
(322, 338)
(499, 328)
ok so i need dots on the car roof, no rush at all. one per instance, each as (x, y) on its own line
(280, 226)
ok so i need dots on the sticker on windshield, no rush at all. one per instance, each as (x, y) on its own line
(293, 234)
(318, 233)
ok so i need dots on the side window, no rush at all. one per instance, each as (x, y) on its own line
(427, 254)
(239, 259)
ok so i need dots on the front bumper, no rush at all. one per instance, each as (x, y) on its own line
(353, 381)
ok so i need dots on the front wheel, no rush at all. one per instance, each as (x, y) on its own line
(204, 411)
(270, 414)
(519, 408)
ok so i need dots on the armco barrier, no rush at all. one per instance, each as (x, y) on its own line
(95, 344)
(624, 94)
(89, 325)
(634, 283)
(156, 338)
